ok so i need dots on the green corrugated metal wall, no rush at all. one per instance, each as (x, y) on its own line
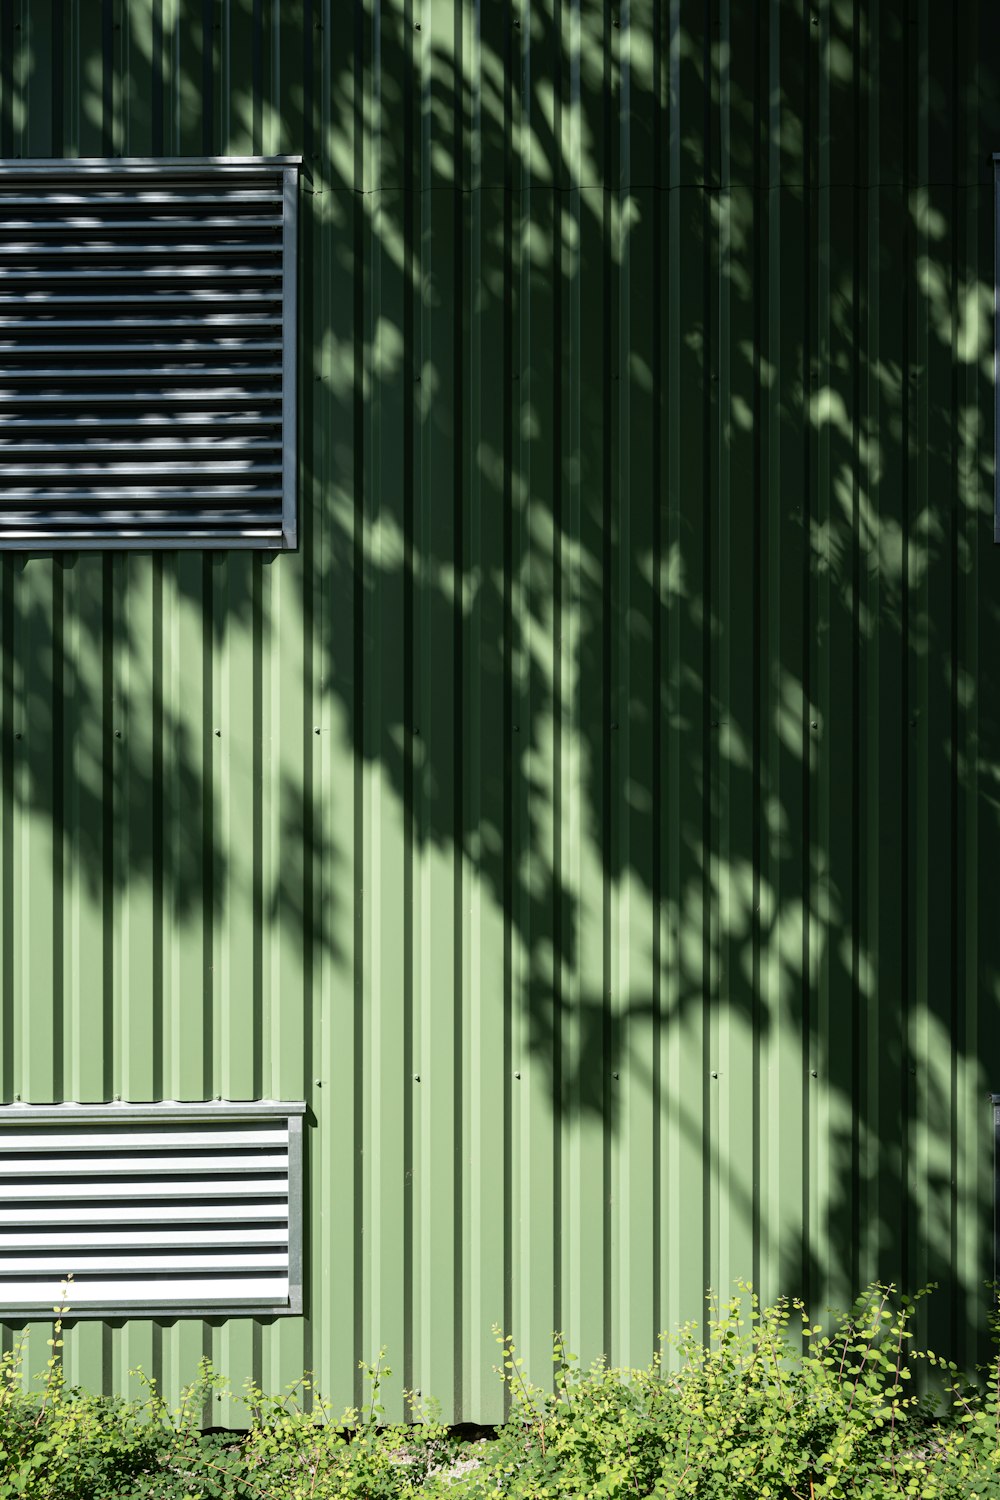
(595, 820)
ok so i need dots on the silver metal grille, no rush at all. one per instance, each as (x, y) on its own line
(155, 1208)
(147, 353)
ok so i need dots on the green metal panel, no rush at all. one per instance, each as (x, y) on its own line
(594, 819)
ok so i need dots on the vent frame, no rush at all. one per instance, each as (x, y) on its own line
(181, 1114)
(202, 515)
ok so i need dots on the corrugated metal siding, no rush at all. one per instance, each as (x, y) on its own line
(595, 818)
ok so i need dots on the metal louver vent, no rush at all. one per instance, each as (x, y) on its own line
(189, 1209)
(147, 353)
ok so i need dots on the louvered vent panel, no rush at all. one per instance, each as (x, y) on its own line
(155, 1208)
(147, 354)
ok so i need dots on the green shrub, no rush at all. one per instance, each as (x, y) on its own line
(67, 1443)
(770, 1407)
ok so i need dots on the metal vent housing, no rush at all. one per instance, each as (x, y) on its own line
(151, 1210)
(148, 353)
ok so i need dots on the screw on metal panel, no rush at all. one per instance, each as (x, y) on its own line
(616, 1075)
(813, 1073)
(814, 724)
(316, 729)
(318, 1082)
(118, 734)
(715, 1075)
(218, 734)
(517, 1075)
(17, 734)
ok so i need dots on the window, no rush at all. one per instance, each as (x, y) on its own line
(193, 1209)
(147, 353)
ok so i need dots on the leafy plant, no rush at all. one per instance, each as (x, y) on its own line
(770, 1406)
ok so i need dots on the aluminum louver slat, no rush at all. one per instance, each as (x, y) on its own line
(156, 295)
(78, 1240)
(159, 1212)
(110, 1296)
(167, 1207)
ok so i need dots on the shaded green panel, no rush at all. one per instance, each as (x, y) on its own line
(386, 1061)
(438, 902)
(939, 120)
(236, 749)
(86, 849)
(887, 100)
(190, 873)
(588, 385)
(643, 98)
(742, 102)
(36, 890)
(239, 92)
(734, 740)
(980, 99)
(290, 74)
(837, 443)
(332, 455)
(141, 39)
(794, 41)
(492, 84)
(684, 879)
(537, 901)
(86, 130)
(632, 736)
(840, 87)
(398, 102)
(486, 736)
(34, 78)
(137, 844)
(884, 869)
(188, 71)
(787, 749)
(931, 497)
(979, 1033)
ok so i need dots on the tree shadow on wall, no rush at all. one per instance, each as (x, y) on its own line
(647, 465)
